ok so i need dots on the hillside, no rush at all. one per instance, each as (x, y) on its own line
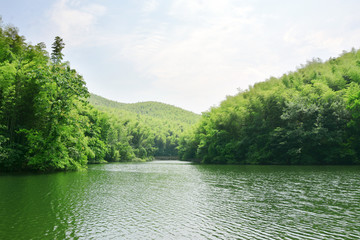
(310, 116)
(47, 123)
(152, 109)
(163, 122)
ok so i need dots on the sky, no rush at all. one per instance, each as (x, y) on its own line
(187, 53)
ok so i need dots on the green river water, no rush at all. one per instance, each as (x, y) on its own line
(180, 200)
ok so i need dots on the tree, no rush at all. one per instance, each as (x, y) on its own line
(57, 46)
(310, 116)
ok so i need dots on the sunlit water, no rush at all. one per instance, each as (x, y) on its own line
(179, 200)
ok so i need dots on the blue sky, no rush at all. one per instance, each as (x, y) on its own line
(188, 53)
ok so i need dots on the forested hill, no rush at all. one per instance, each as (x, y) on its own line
(47, 123)
(152, 109)
(159, 125)
(310, 116)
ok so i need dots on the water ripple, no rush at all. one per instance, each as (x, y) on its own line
(173, 200)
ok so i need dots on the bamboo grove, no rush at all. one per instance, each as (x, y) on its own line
(50, 122)
(47, 123)
(310, 116)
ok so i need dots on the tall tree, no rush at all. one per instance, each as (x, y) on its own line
(57, 46)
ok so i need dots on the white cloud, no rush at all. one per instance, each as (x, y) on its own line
(306, 41)
(204, 7)
(315, 39)
(150, 6)
(214, 54)
(74, 20)
(198, 51)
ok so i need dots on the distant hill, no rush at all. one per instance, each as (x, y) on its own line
(166, 123)
(150, 108)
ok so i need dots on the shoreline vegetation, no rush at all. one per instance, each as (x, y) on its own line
(50, 122)
(307, 117)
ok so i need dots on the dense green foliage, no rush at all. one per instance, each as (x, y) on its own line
(161, 124)
(151, 109)
(310, 116)
(47, 123)
(40, 127)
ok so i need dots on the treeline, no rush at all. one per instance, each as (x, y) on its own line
(310, 116)
(40, 122)
(149, 109)
(163, 124)
(46, 122)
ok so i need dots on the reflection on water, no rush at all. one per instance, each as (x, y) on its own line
(179, 200)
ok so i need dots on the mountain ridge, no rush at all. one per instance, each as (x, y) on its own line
(148, 108)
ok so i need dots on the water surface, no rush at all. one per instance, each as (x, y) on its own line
(179, 200)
